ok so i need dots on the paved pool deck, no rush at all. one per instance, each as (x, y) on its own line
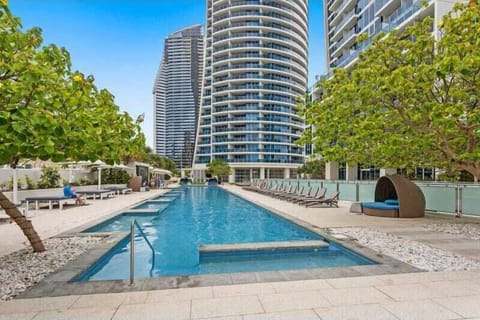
(411, 229)
(49, 223)
(433, 295)
(425, 295)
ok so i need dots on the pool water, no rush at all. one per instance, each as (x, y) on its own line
(153, 205)
(204, 216)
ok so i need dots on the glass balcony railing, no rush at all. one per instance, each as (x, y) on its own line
(255, 87)
(346, 19)
(233, 150)
(203, 160)
(401, 14)
(257, 76)
(245, 129)
(251, 139)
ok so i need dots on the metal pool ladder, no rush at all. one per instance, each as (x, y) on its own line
(132, 249)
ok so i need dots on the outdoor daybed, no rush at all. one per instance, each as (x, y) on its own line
(50, 199)
(396, 197)
(94, 193)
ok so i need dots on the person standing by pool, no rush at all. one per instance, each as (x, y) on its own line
(68, 192)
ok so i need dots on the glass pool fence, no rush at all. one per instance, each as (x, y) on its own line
(440, 197)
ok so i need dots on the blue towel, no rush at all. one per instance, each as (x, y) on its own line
(67, 192)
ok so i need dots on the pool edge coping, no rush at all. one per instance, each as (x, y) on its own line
(60, 282)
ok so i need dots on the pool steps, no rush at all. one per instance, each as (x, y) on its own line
(140, 211)
(262, 246)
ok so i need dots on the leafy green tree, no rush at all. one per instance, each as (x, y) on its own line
(315, 168)
(49, 111)
(411, 99)
(219, 168)
(146, 155)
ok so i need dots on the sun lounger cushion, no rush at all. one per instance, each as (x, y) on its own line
(391, 202)
(380, 209)
(380, 206)
(46, 198)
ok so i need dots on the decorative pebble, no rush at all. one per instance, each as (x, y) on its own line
(24, 268)
(412, 252)
(468, 230)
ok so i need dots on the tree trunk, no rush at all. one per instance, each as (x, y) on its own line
(24, 224)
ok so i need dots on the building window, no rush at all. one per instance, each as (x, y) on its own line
(275, 173)
(367, 172)
(242, 175)
(342, 171)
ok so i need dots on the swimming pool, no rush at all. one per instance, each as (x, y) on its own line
(201, 216)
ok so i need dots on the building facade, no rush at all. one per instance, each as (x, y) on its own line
(176, 95)
(345, 20)
(255, 69)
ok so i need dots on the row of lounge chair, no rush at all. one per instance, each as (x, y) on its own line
(305, 196)
(101, 194)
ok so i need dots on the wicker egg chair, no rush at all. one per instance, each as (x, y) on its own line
(411, 201)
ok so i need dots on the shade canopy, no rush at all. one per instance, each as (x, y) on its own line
(120, 166)
(410, 197)
(99, 163)
(162, 171)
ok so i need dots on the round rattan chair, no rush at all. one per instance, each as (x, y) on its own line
(411, 200)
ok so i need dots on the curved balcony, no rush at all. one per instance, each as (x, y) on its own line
(258, 62)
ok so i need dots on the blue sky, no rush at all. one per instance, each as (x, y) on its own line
(120, 42)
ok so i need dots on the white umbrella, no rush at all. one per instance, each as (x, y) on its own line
(99, 164)
(120, 166)
(162, 171)
(70, 175)
(105, 166)
(84, 162)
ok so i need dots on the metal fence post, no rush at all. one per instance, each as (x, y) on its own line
(458, 198)
(132, 252)
(357, 191)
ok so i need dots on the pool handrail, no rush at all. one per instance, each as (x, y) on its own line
(132, 249)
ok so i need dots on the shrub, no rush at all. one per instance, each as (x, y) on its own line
(50, 178)
(8, 185)
(30, 183)
(115, 176)
(21, 183)
(82, 182)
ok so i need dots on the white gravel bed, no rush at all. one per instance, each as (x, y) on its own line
(412, 252)
(22, 269)
(468, 230)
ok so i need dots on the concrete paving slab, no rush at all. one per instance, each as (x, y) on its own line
(358, 312)
(354, 296)
(227, 306)
(293, 301)
(468, 307)
(420, 310)
(172, 310)
(77, 314)
(18, 316)
(288, 315)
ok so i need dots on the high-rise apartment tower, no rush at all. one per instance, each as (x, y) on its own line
(345, 20)
(177, 95)
(255, 69)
